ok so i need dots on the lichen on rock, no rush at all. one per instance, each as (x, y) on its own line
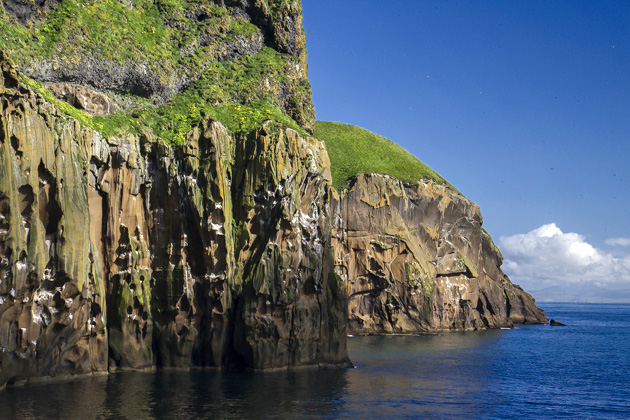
(415, 259)
(129, 253)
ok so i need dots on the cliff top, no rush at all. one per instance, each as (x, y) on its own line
(165, 65)
(168, 63)
(354, 150)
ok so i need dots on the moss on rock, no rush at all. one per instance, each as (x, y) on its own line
(190, 58)
(354, 150)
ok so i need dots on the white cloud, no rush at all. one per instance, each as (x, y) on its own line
(618, 241)
(548, 257)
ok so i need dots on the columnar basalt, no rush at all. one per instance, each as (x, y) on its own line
(415, 259)
(131, 253)
(52, 290)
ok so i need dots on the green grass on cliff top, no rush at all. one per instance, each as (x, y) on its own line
(241, 92)
(354, 150)
(229, 92)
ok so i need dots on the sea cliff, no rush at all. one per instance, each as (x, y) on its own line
(165, 204)
(128, 252)
(415, 259)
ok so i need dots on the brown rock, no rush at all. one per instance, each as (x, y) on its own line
(81, 97)
(127, 253)
(414, 259)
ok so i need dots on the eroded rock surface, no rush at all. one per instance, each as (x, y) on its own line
(415, 259)
(130, 253)
(27, 11)
(52, 293)
(86, 99)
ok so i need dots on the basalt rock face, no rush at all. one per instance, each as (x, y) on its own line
(52, 293)
(415, 259)
(131, 253)
(80, 97)
(281, 21)
(28, 11)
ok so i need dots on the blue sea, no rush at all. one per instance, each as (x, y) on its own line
(580, 371)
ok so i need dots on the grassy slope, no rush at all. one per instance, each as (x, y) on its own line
(241, 92)
(155, 32)
(353, 150)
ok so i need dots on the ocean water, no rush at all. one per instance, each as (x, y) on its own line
(580, 371)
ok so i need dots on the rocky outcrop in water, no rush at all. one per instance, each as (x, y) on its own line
(130, 253)
(415, 259)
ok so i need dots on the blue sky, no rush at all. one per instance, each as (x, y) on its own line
(523, 105)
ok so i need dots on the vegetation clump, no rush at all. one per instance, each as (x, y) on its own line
(169, 63)
(354, 150)
(229, 92)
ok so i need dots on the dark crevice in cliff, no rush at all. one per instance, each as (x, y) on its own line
(373, 292)
(49, 209)
(106, 239)
(260, 243)
(123, 246)
(10, 82)
(15, 144)
(113, 317)
(4, 213)
(485, 302)
(508, 304)
(195, 246)
(240, 354)
(455, 274)
(26, 199)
